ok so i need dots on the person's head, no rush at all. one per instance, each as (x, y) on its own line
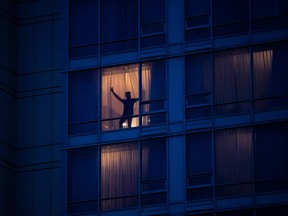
(128, 95)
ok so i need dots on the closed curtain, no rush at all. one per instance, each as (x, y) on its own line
(122, 79)
(233, 158)
(119, 175)
(232, 78)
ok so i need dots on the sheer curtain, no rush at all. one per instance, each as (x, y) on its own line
(122, 79)
(262, 69)
(233, 160)
(232, 79)
(153, 80)
(83, 180)
(119, 175)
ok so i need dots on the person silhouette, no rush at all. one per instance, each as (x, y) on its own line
(128, 105)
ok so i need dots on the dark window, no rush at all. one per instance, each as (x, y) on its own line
(199, 166)
(83, 180)
(83, 28)
(270, 76)
(153, 179)
(153, 92)
(271, 150)
(119, 25)
(83, 102)
(233, 162)
(197, 20)
(152, 21)
(230, 17)
(269, 14)
(198, 86)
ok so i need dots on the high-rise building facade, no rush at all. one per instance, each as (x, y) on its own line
(141, 107)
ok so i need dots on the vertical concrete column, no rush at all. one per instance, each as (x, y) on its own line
(175, 13)
(176, 149)
(176, 92)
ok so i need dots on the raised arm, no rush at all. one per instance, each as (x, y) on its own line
(117, 96)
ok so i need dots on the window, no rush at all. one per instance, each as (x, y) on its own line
(122, 79)
(198, 86)
(83, 179)
(120, 170)
(153, 172)
(125, 79)
(153, 94)
(271, 149)
(83, 102)
(233, 162)
(269, 14)
(83, 38)
(230, 17)
(270, 76)
(197, 20)
(199, 166)
(119, 25)
(119, 176)
(232, 81)
(152, 19)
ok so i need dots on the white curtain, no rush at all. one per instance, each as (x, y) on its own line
(122, 79)
(233, 156)
(262, 68)
(232, 77)
(119, 175)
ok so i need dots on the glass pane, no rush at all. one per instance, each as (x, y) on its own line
(234, 190)
(198, 113)
(152, 28)
(201, 179)
(153, 106)
(153, 80)
(202, 193)
(197, 34)
(199, 153)
(230, 11)
(153, 41)
(83, 181)
(119, 175)
(152, 11)
(245, 212)
(83, 103)
(270, 79)
(82, 12)
(196, 7)
(198, 74)
(119, 20)
(153, 186)
(232, 108)
(271, 152)
(153, 156)
(123, 103)
(153, 119)
(154, 199)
